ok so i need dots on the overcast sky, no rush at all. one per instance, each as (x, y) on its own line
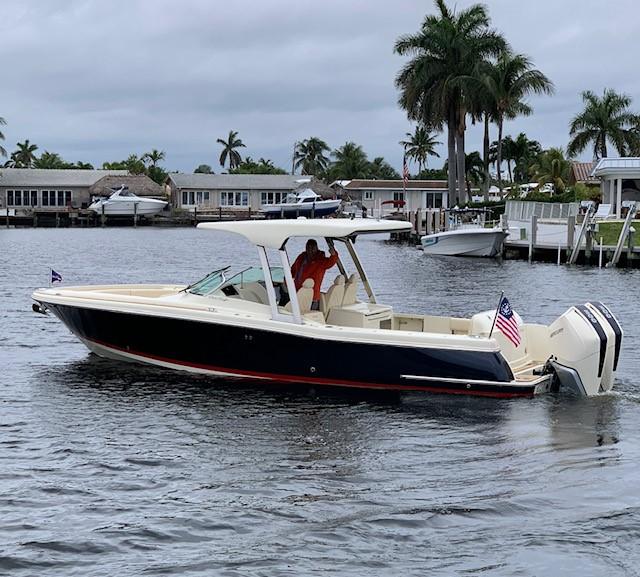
(99, 80)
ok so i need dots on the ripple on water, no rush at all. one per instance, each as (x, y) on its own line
(114, 469)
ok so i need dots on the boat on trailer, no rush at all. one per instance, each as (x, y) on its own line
(231, 325)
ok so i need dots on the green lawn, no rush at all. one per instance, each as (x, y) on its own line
(610, 231)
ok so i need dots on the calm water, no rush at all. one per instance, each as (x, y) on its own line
(113, 469)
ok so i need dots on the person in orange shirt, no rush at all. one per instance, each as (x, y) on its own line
(312, 263)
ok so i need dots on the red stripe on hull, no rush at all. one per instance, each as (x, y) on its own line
(279, 378)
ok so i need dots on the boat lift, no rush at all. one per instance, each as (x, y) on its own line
(624, 234)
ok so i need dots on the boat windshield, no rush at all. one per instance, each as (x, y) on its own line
(255, 274)
(218, 280)
(209, 283)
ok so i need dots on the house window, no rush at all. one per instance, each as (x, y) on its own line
(272, 197)
(234, 198)
(368, 195)
(202, 197)
(398, 195)
(9, 197)
(18, 198)
(34, 198)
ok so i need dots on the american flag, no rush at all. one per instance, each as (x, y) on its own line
(507, 323)
(405, 171)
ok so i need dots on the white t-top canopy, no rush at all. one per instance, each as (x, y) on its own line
(274, 233)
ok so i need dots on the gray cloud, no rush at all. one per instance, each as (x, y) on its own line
(96, 81)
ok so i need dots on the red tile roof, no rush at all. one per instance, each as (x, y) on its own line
(581, 172)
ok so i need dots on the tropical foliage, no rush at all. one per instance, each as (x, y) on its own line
(309, 156)
(552, 167)
(263, 166)
(508, 82)
(380, 169)
(420, 145)
(229, 150)
(474, 167)
(24, 155)
(438, 84)
(603, 120)
(203, 169)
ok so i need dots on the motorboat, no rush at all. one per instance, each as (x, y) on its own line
(465, 238)
(231, 325)
(303, 203)
(123, 202)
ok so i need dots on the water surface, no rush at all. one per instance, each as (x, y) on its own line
(117, 469)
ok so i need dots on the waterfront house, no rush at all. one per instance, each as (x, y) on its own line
(234, 192)
(417, 194)
(581, 173)
(25, 190)
(620, 181)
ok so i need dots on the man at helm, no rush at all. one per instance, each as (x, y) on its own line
(312, 263)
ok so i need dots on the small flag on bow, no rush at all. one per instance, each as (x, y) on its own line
(55, 277)
(507, 323)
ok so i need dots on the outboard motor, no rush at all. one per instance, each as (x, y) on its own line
(585, 345)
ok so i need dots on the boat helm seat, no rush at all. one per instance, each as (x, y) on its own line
(350, 290)
(305, 297)
(334, 295)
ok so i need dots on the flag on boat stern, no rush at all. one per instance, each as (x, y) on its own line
(507, 323)
(55, 277)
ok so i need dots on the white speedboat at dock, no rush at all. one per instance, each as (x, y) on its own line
(231, 325)
(465, 238)
(124, 203)
(305, 203)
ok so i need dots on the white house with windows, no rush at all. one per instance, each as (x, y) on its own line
(620, 182)
(233, 192)
(416, 194)
(27, 190)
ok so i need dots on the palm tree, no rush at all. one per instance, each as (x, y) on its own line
(229, 150)
(509, 81)
(524, 153)
(3, 122)
(474, 170)
(475, 174)
(436, 85)
(605, 119)
(24, 155)
(420, 145)
(380, 169)
(552, 167)
(153, 157)
(309, 156)
(350, 162)
(50, 160)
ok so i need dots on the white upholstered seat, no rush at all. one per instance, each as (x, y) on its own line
(305, 297)
(334, 295)
(350, 290)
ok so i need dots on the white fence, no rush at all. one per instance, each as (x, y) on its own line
(523, 211)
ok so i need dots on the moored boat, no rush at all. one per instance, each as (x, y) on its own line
(123, 202)
(305, 203)
(481, 242)
(231, 325)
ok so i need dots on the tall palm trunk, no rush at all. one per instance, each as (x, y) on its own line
(510, 173)
(451, 142)
(462, 193)
(499, 155)
(485, 158)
